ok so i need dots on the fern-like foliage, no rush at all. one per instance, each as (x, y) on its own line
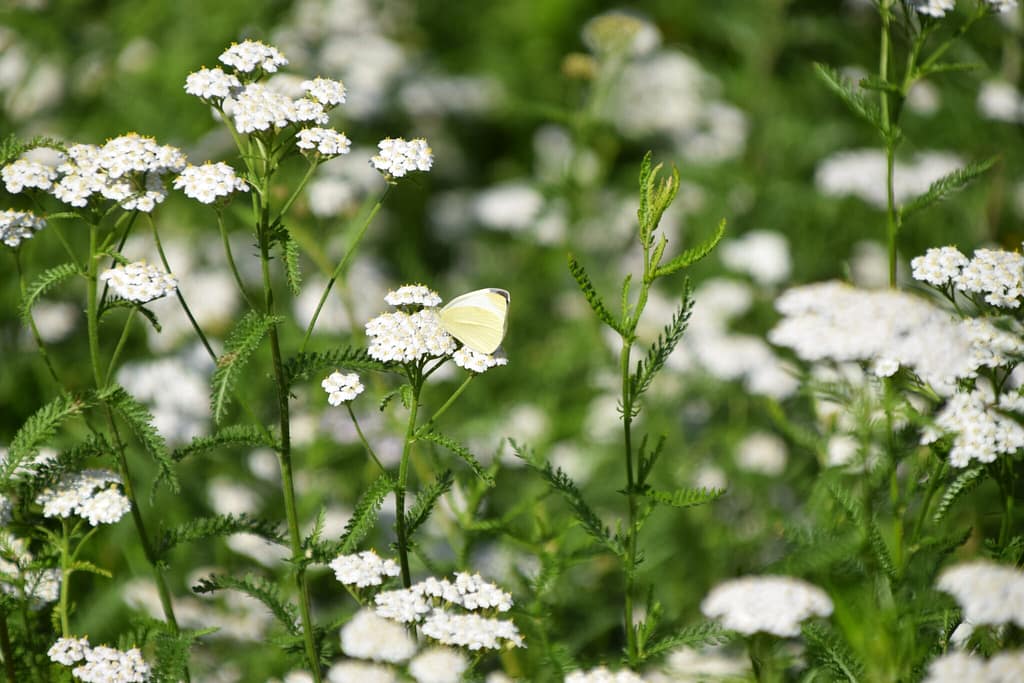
(172, 652)
(461, 451)
(113, 304)
(426, 499)
(44, 474)
(880, 550)
(685, 498)
(238, 347)
(588, 519)
(853, 99)
(39, 428)
(292, 271)
(663, 346)
(12, 147)
(656, 194)
(255, 587)
(41, 284)
(947, 185)
(359, 525)
(579, 274)
(690, 256)
(219, 526)
(826, 650)
(232, 435)
(305, 365)
(140, 420)
(704, 634)
(965, 482)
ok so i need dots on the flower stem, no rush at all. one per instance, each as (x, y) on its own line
(403, 476)
(65, 576)
(120, 346)
(632, 653)
(6, 649)
(362, 437)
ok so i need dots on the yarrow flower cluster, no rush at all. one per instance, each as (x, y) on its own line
(369, 636)
(988, 593)
(139, 282)
(90, 494)
(997, 274)
(326, 91)
(398, 156)
(102, 664)
(603, 675)
(413, 295)
(208, 182)
(982, 431)
(363, 569)
(958, 667)
(326, 141)
(406, 337)
(128, 169)
(16, 226)
(474, 361)
(212, 84)
(769, 604)
(438, 665)
(250, 55)
(342, 388)
(353, 671)
(935, 8)
(257, 107)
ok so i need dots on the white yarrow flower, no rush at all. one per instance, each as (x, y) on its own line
(212, 84)
(342, 388)
(208, 182)
(16, 226)
(471, 631)
(68, 651)
(988, 593)
(327, 142)
(477, 362)
(995, 273)
(90, 494)
(251, 55)
(139, 282)
(770, 604)
(938, 266)
(109, 665)
(935, 8)
(1002, 5)
(603, 675)
(398, 156)
(326, 91)
(368, 636)
(438, 665)
(23, 174)
(413, 295)
(363, 569)
(352, 671)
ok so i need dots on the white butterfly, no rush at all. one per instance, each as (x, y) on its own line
(478, 319)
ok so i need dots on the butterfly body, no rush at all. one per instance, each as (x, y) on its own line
(478, 319)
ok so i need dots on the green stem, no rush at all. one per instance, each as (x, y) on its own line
(362, 438)
(933, 486)
(342, 265)
(762, 658)
(6, 649)
(231, 259)
(65, 577)
(447, 404)
(91, 311)
(403, 476)
(120, 345)
(632, 653)
(885, 8)
(1006, 489)
(295, 193)
(284, 454)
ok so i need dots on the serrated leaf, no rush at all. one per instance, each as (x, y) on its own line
(663, 346)
(40, 427)
(964, 483)
(685, 498)
(241, 343)
(425, 501)
(219, 526)
(292, 271)
(844, 89)
(828, 651)
(304, 365)
(873, 82)
(656, 194)
(880, 550)
(140, 420)
(83, 566)
(708, 633)
(947, 185)
(364, 516)
(123, 303)
(232, 435)
(691, 256)
(461, 451)
(579, 273)
(254, 587)
(41, 284)
(950, 67)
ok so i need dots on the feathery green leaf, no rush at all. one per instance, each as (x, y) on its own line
(425, 501)
(458, 449)
(254, 587)
(140, 420)
(40, 427)
(663, 346)
(363, 517)
(220, 526)
(305, 365)
(691, 256)
(947, 185)
(706, 633)
(579, 273)
(685, 498)
(232, 435)
(238, 347)
(292, 271)
(846, 91)
(41, 284)
(827, 650)
(965, 482)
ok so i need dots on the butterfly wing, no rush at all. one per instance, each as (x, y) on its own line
(478, 319)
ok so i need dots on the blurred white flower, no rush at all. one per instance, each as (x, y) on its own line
(769, 604)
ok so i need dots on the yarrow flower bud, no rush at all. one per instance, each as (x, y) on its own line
(24, 173)
(212, 84)
(207, 182)
(326, 91)
(935, 8)
(413, 295)
(770, 604)
(398, 157)
(364, 569)
(16, 226)
(90, 494)
(325, 141)
(139, 282)
(342, 388)
(251, 55)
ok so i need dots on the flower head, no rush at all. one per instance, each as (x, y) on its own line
(250, 55)
(326, 91)
(413, 295)
(364, 569)
(406, 337)
(935, 8)
(208, 182)
(770, 604)
(139, 282)
(398, 156)
(995, 273)
(16, 226)
(342, 388)
(939, 266)
(477, 362)
(368, 636)
(24, 173)
(438, 665)
(68, 651)
(988, 593)
(212, 84)
(603, 675)
(90, 494)
(327, 142)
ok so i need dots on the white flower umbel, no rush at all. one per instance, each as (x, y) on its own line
(364, 569)
(988, 593)
(16, 226)
(477, 362)
(368, 636)
(212, 85)
(438, 665)
(982, 432)
(960, 667)
(769, 604)
(351, 671)
(398, 156)
(326, 141)
(995, 273)
(90, 494)
(24, 173)
(257, 107)
(403, 605)
(342, 388)
(139, 282)
(208, 182)
(326, 91)
(603, 675)
(68, 651)
(762, 254)
(406, 337)
(763, 453)
(252, 55)
(413, 295)
(935, 8)
(938, 266)
(109, 665)
(471, 631)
